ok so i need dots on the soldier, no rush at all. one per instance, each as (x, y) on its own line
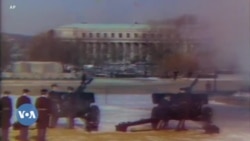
(43, 105)
(55, 97)
(208, 86)
(83, 78)
(190, 74)
(71, 112)
(24, 99)
(6, 115)
(175, 75)
(86, 79)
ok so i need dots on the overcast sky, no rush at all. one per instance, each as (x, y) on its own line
(33, 16)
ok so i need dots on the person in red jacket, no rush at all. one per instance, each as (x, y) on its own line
(43, 105)
(6, 115)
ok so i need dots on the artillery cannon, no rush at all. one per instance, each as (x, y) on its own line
(83, 108)
(181, 106)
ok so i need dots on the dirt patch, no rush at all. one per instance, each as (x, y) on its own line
(114, 86)
(79, 135)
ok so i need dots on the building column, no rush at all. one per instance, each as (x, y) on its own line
(91, 50)
(121, 51)
(140, 50)
(113, 52)
(94, 50)
(101, 51)
(117, 50)
(132, 51)
(136, 50)
(108, 50)
(124, 58)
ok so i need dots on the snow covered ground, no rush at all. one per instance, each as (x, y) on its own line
(233, 121)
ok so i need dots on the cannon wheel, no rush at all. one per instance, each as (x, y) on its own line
(93, 118)
(207, 114)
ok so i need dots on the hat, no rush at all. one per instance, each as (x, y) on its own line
(26, 90)
(70, 88)
(54, 85)
(6, 92)
(44, 91)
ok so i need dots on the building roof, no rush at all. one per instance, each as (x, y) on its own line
(107, 26)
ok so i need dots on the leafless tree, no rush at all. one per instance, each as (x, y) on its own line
(47, 47)
(5, 53)
(164, 44)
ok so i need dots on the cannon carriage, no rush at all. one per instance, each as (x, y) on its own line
(83, 107)
(175, 107)
(181, 106)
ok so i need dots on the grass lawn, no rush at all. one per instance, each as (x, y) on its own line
(113, 86)
(116, 86)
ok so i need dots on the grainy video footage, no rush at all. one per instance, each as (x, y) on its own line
(134, 70)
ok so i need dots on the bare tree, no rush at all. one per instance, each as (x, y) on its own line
(47, 47)
(164, 44)
(5, 53)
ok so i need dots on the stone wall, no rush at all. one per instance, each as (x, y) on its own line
(46, 76)
(37, 70)
(37, 67)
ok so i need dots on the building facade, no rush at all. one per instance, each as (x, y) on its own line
(113, 42)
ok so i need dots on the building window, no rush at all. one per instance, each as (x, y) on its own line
(120, 35)
(105, 35)
(98, 35)
(90, 35)
(144, 35)
(112, 35)
(136, 35)
(128, 35)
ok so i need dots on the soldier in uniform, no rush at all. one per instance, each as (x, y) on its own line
(43, 105)
(55, 97)
(6, 115)
(208, 86)
(24, 99)
(71, 111)
(86, 79)
(175, 75)
(83, 78)
(190, 74)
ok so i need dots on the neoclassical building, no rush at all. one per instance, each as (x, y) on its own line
(126, 41)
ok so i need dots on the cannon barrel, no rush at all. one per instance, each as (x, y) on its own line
(124, 125)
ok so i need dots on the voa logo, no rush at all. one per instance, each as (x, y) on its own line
(27, 114)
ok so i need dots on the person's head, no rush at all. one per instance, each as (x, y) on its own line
(84, 72)
(44, 92)
(70, 89)
(26, 91)
(6, 93)
(54, 87)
